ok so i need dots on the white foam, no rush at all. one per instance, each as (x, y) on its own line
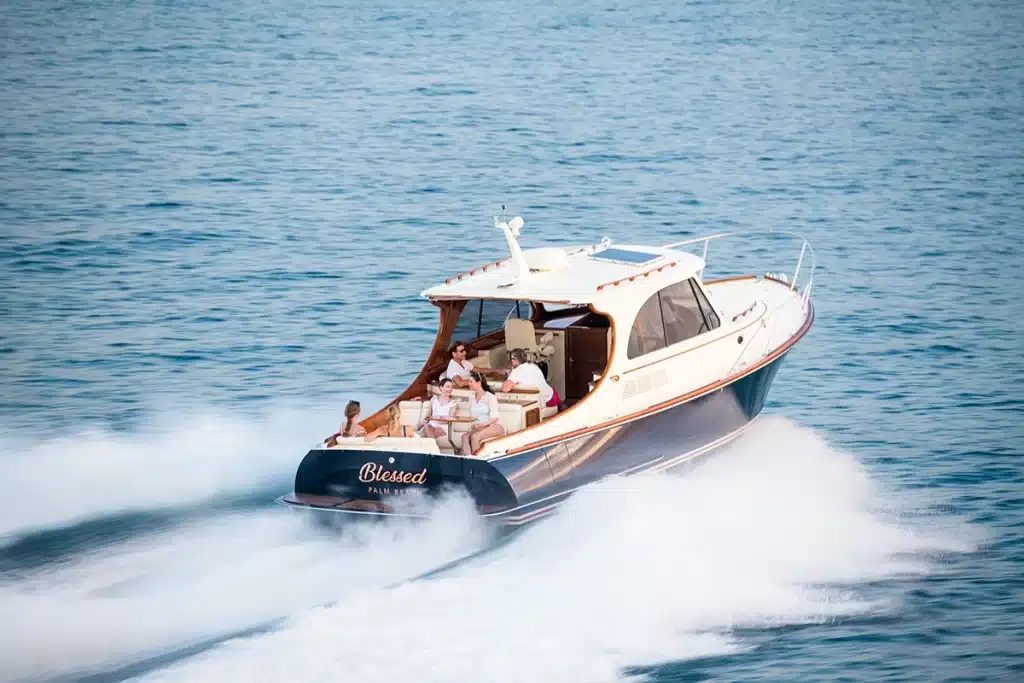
(777, 529)
(214, 577)
(177, 461)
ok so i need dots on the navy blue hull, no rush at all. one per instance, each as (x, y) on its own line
(654, 442)
(519, 488)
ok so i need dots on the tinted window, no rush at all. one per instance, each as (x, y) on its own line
(681, 312)
(469, 322)
(481, 316)
(676, 313)
(495, 313)
(709, 313)
(648, 333)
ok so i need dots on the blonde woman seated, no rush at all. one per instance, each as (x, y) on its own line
(483, 406)
(392, 428)
(440, 406)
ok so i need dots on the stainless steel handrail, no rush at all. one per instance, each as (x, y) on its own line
(805, 247)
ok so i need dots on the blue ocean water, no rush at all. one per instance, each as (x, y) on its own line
(215, 221)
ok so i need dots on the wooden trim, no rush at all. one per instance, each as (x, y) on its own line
(362, 505)
(327, 502)
(645, 273)
(677, 400)
(472, 272)
(729, 279)
(772, 278)
(449, 313)
(532, 417)
(680, 353)
(463, 297)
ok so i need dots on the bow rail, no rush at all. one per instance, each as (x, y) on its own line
(805, 251)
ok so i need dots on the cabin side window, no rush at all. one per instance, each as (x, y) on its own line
(705, 306)
(682, 312)
(648, 333)
(676, 313)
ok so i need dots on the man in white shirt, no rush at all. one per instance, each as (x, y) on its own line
(528, 375)
(458, 367)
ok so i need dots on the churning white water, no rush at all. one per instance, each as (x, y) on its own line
(779, 528)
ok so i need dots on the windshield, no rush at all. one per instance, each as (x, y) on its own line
(483, 316)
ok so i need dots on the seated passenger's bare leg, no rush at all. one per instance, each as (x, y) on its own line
(496, 429)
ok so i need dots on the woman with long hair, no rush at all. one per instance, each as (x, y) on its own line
(483, 406)
(440, 406)
(393, 427)
(351, 427)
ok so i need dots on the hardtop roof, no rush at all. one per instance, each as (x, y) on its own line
(578, 275)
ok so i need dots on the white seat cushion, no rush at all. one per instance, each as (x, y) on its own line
(413, 411)
(511, 415)
(494, 357)
(520, 334)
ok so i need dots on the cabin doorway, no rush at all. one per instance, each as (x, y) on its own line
(586, 342)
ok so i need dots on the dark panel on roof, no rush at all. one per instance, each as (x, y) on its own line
(635, 258)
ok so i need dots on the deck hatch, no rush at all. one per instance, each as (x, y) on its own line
(633, 258)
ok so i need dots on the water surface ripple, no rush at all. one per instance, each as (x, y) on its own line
(216, 218)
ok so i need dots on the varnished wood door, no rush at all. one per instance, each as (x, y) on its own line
(586, 350)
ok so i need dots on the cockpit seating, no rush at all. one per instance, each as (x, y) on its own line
(521, 334)
(516, 411)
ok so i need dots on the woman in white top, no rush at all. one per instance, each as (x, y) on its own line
(440, 406)
(458, 367)
(483, 406)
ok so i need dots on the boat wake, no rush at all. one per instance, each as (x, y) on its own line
(779, 528)
(171, 465)
(203, 580)
(115, 547)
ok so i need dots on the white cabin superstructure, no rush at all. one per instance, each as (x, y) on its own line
(668, 335)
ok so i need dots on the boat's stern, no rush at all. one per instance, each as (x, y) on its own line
(375, 480)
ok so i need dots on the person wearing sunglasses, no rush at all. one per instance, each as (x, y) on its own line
(459, 368)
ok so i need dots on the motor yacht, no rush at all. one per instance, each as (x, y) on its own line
(653, 364)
